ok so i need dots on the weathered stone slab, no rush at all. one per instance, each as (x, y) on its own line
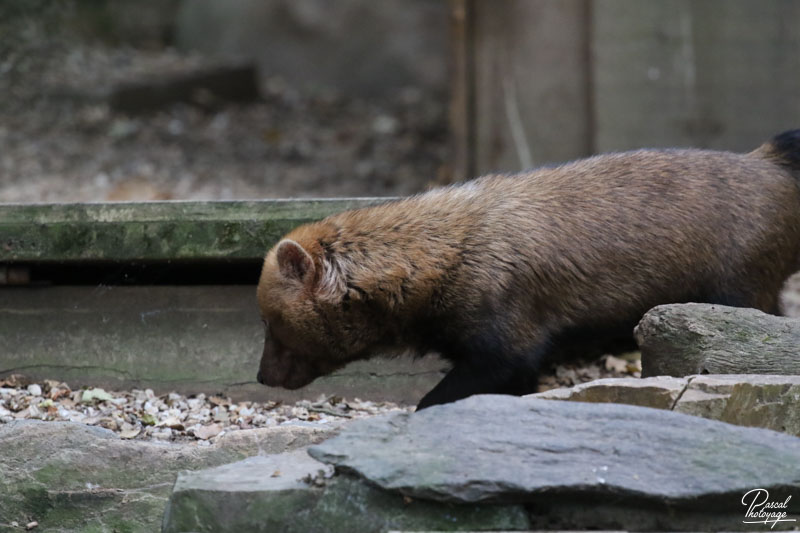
(276, 493)
(73, 477)
(156, 231)
(771, 402)
(657, 467)
(685, 339)
(183, 338)
(660, 393)
(766, 401)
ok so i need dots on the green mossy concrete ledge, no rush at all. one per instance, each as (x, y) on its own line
(155, 231)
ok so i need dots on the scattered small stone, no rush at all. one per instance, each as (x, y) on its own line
(162, 434)
(615, 364)
(143, 415)
(206, 432)
(384, 124)
(320, 477)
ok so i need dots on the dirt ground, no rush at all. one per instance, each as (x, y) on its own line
(60, 141)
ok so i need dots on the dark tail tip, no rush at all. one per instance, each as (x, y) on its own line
(785, 147)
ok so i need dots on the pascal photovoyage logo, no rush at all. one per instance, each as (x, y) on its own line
(762, 510)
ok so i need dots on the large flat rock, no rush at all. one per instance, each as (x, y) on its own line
(503, 463)
(73, 477)
(502, 448)
(292, 492)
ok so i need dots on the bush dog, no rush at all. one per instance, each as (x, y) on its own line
(497, 273)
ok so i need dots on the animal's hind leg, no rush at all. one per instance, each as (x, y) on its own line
(489, 374)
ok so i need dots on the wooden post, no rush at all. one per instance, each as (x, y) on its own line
(462, 96)
(521, 93)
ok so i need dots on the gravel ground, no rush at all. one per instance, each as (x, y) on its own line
(140, 414)
(580, 371)
(60, 141)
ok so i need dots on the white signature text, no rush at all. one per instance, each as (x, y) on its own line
(762, 511)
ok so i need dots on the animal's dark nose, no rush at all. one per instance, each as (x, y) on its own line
(259, 378)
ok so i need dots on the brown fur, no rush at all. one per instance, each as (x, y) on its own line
(497, 273)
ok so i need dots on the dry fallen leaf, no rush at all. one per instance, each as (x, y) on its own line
(51, 383)
(91, 395)
(219, 400)
(15, 380)
(172, 422)
(67, 403)
(108, 423)
(129, 431)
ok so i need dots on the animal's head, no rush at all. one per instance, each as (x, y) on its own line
(315, 320)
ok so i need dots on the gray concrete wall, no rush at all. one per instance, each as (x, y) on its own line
(720, 74)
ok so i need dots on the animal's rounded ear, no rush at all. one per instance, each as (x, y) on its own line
(293, 261)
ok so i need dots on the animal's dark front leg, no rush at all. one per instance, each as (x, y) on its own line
(467, 379)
